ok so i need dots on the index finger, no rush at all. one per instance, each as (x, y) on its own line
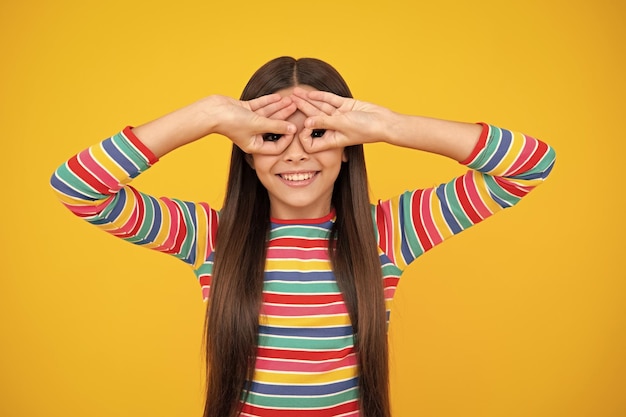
(326, 97)
(259, 102)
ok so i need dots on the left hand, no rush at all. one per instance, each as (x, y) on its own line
(346, 121)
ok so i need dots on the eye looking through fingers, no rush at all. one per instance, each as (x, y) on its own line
(318, 133)
(271, 137)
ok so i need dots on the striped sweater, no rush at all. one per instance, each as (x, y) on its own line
(306, 364)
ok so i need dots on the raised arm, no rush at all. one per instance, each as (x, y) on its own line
(504, 167)
(93, 183)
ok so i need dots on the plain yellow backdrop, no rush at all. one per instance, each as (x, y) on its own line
(523, 315)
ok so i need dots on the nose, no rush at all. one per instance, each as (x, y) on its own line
(295, 151)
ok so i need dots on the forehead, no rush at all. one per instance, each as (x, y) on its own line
(287, 91)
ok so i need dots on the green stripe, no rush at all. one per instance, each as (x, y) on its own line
(299, 231)
(148, 219)
(70, 178)
(455, 206)
(130, 151)
(188, 243)
(494, 188)
(317, 288)
(302, 402)
(391, 270)
(303, 343)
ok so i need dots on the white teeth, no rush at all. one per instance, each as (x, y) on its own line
(301, 176)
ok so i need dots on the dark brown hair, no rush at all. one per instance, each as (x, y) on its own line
(236, 289)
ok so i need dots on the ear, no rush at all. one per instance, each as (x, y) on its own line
(250, 160)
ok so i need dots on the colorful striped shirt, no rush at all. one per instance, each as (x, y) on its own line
(306, 364)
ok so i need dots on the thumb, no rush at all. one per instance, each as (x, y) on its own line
(265, 125)
(323, 121)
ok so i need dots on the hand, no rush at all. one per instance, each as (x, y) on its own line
(346, 121)
(246, 122)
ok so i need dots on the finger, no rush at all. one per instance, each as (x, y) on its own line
(322, 121)
(284, 113)
(266, 125)
(263, 101)
(302, 96)
(326, 97)
(309, 109)
(274, 106)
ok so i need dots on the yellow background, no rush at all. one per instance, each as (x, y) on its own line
(523, 315)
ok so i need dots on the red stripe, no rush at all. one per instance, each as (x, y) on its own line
(80, 171)
(205, 280)
(304, 355)
(422, 236)
(382, 228)
(326, 412)
(130, 135)
(464, 200)
(482, 140)
(539, 153)
(140, 211)
(299, 242)
(512, 187)
(269, 297)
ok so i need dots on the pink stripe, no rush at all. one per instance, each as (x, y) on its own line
(304, 310)
(304, 366)
(427, 217)
(294, 253)
(527, 152)
(172, 212)
(389, 293)
(88, 209)
(474, 196)
(98, 171)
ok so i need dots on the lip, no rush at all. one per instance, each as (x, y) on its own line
(311, 176)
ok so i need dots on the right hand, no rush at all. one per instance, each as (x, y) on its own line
(245, 122)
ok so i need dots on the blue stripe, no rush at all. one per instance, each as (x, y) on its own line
(503, 148)
(407, 255)
(120, 158)
(191, 209)
(501, 202)
(447, 214)
(65, 189)
(146, 200)
(301, 390)
(531, 176)
(156, 222)
(300, 276)
(313, 332)
(116, 206)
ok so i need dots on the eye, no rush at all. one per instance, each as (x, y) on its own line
(318, 133)
(271, 137)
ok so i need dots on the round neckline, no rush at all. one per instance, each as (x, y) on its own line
(318, 220)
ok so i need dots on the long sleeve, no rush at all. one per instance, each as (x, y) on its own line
(94, 186)
(504, 167)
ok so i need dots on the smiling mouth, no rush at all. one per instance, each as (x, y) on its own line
(299, 176)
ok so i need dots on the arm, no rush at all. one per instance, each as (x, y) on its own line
(93, 183)
(505, 166)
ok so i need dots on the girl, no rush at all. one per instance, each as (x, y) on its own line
(298, 266)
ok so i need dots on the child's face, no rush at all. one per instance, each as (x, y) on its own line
(299, 184)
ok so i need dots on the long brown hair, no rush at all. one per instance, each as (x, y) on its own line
(236, 288)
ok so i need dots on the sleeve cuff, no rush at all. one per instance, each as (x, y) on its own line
(480, 145)
(145, 151)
